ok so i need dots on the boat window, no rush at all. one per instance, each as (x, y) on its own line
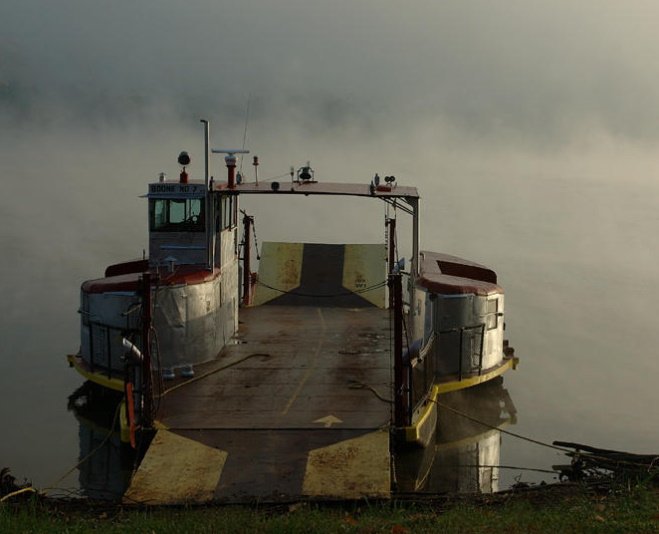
(492, 319)
(177, 215)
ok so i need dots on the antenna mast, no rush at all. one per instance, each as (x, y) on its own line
(206, 153)
(249, 97)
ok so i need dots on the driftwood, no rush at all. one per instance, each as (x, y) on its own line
(8, 483)
(591, 462)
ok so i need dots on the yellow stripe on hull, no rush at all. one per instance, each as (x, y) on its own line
(101, 379)
(418, 432)
(454, 385)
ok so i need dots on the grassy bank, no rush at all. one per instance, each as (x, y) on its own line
(554, 510)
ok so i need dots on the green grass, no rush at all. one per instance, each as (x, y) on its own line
(633, 510)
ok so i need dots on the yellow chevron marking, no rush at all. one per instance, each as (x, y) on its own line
(176, 470)
(280, 267)
(350, 469)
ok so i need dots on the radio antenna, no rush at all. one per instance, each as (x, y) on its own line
(249, 97)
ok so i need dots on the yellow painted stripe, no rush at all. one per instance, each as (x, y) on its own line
(311, 366)
(350, 469)
(454, 385)
(280, 267)
(101, 379)
(176, 470)
(414, 432)
(418, 432)
(124, 427)
(364, 267)
(159, 425)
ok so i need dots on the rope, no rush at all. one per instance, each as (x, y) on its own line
(569, 452)
(161, 385)
(513, 434)
(90, 454)
(256, 242)
(18, 492)
(344, 294)
(356, 384)
(209, 373)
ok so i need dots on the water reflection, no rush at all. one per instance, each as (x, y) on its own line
(463, 457)
(106, 462)
(466, 454)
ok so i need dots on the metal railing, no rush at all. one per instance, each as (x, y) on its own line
(420, 369)
(462, 331)
(104, 364)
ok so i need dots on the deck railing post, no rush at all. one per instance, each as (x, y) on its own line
(247, 275)
(401, 416)
(480, 355)
(391, 243)
(109, 347)
(146, 386)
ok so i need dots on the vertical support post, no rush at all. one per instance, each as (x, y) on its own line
(392, 255)
(206, 153)
(208, 200)
(414, 268)
(147, 389)
(401, 407)
(247, 246)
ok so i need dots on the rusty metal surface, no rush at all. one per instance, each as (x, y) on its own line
(326, 275)
(302, 364)
(298, 389)
(273, 465)
(321, 188)
(176, 470)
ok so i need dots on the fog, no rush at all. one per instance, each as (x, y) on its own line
(528, 73)
(530, 128)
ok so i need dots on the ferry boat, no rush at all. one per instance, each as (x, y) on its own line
(329, 357)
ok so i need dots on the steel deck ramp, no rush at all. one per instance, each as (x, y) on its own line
(298, 408)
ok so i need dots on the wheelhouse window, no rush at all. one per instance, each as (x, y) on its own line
(177, 215)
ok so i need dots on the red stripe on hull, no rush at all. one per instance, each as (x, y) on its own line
(184, 275)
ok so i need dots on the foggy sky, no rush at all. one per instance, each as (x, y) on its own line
(520, 72)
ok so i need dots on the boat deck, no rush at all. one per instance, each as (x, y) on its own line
(299, 407)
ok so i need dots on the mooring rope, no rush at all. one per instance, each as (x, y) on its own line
(333, 295)
(91, 453)
(513, 434)
(356, 384)
(213, 371)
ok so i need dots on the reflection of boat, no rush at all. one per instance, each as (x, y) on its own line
(327, 341)
(106, 461)
(466, 453)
